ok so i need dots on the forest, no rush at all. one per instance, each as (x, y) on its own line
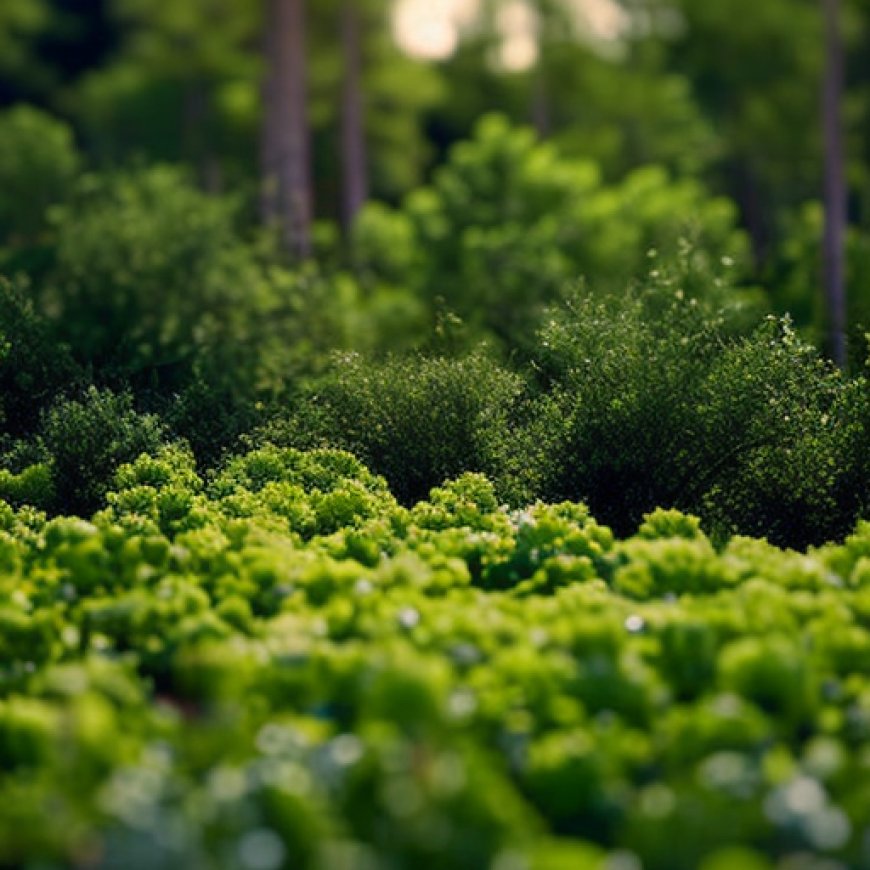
(435, 434)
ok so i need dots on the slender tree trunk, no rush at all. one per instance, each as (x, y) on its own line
(750, 199)
(286, 196)
(540, 108)
(834, 242)
(197, 141)
(353, 142)
(540, 92)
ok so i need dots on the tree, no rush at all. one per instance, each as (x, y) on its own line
(181, 86)
(367, 103)
(756, 104)
(287, 198)
(23, 74)
(834, 242)
(353, 143)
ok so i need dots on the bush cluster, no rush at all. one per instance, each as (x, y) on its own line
(757, 434)
(627, 404)
(458, 548)
(145, 287)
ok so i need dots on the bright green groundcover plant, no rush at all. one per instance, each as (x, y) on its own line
(280, 667)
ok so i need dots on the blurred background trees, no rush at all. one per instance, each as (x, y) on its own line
(725, 92)
(365, 99)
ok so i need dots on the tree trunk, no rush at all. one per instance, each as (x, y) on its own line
(834, 242)
(286, 196)
(353, 144)
(540, 109)
(540, 90)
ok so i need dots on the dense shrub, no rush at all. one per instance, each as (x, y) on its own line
(261, 358)
(415, 420)
(278, 664)
(644, 409)
(86, 439)
(34, 366)
(147, 271)
(652, 399)
(155, 290)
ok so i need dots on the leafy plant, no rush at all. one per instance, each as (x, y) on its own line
(39, 164)
(509, 224)
(415, 420)
(641, 410)
(85, 440)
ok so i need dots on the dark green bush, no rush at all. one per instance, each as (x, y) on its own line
(646, 401)
(415, 420)
(34, 366)
(154, 289)
(276, 344)
(646, 409)
(787, 438)
(86, 439)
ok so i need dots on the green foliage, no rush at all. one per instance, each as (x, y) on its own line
(33, 486)
(796, 274)
(769, 93)
(394, 657)
(633, 403)
(152, 287)
(34, 366)
(649, 403)
(273, 482)
(38, 166)
(269, 345)
(21, 24)
(600, 95)
(148, 271)
(279, 661)
(86, 439)
(509, 223)
(176, 87)
(415, 420)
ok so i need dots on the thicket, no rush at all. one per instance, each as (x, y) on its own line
(628, 404)
(462, 542)
(520, 317)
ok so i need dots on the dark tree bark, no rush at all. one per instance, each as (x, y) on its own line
(286, 196)
(540, 109)
(835, 194)
(195, 135)
(353, 143)
(540, 90)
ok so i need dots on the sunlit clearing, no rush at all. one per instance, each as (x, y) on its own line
(519, 53)
(602, 19)
(518, 28)
(430, 29)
